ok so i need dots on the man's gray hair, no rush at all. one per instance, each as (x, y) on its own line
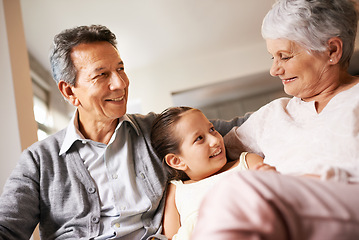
(62, 66)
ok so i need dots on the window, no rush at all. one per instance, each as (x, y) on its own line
(41, 109)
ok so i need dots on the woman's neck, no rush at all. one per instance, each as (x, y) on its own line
(344, 82)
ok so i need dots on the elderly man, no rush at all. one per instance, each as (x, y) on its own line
(99, 178)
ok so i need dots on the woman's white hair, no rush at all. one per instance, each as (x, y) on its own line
(311, 23)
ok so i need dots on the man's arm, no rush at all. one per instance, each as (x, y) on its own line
(19, 202)
(223, 126)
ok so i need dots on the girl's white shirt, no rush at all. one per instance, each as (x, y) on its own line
(188, 197)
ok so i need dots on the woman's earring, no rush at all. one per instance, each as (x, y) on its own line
(330, 60)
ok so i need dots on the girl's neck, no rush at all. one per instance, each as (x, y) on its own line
(229, 165)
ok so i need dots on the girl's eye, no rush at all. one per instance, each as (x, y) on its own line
(212, 129)
(198, 139)
(120, 69)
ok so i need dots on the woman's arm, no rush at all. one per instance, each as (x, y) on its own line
(171, 218)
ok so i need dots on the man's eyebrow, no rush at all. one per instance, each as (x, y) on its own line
(102, 68)
(99, 69)
(120, 64)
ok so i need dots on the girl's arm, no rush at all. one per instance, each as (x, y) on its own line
(255, 162)
(171, 218)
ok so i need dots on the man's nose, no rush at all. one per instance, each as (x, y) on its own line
(118, 82)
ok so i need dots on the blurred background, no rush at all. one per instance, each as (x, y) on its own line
(207, 54)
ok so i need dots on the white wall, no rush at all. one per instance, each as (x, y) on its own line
(17, 123)
(152, 86)
(10, 146)
(18, 126)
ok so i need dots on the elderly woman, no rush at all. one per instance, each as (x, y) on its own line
(314, 133)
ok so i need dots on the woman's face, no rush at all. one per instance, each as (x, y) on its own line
(201, 147)
(304, 74)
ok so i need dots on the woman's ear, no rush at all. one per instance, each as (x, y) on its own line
(335, 48)
(66, 90)
(175, 162)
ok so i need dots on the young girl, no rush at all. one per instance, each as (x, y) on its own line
(194, 155)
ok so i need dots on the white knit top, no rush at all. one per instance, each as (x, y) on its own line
(294, 138)
(188, 198)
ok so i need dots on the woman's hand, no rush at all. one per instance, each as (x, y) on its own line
(255, 162)
(264, 167)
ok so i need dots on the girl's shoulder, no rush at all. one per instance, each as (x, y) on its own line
(176, 182)
(238, 164)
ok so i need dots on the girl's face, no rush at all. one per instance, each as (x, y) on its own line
(201, 146)
(303, 74)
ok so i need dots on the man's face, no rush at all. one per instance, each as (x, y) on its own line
(101, 89)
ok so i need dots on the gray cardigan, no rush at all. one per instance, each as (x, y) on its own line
(59, 193)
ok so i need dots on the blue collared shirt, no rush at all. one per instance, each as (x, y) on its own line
(111, 166)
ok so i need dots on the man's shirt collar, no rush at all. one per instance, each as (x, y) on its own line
(73, 133)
